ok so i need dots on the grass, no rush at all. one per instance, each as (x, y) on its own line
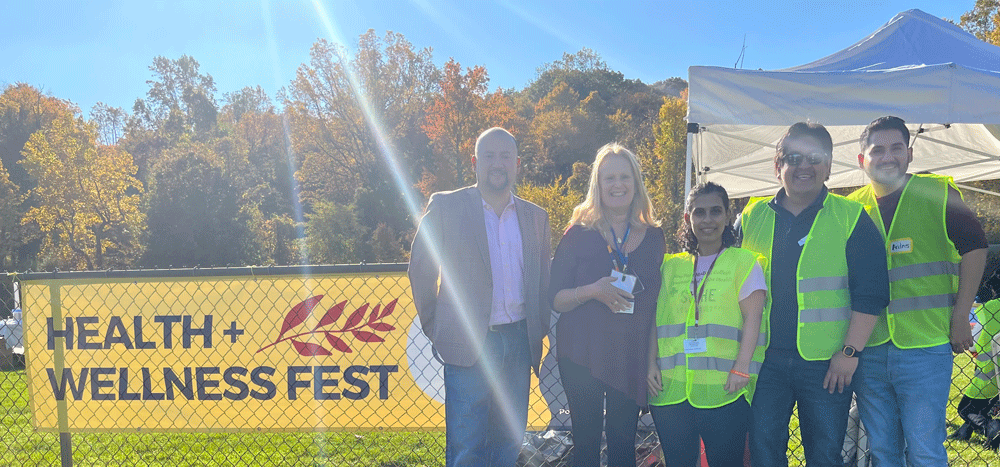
(24, 446)
(21, 445)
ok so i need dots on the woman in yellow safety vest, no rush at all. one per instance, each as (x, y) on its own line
(708, 342)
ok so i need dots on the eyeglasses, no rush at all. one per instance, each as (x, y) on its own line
(796, 159)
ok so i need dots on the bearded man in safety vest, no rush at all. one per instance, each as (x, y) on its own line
(936, 254)
(828, 286)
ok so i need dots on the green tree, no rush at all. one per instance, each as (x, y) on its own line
(88, 197)
(339, 104)
(556, 199)
(335, 236)
(258, 159)
(195, 213)
(355, 125)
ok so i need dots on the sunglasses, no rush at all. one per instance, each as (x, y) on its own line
(796, 159)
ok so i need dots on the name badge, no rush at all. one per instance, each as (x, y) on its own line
(695, 346)
(903, 245)
(625, 282)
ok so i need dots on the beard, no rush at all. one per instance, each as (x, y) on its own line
(499, 186)
(888, 177)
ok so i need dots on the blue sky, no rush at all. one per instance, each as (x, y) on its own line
(100, 50)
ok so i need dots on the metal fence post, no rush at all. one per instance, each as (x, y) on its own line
(65, 439)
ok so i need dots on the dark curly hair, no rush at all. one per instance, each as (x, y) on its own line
(685, 236)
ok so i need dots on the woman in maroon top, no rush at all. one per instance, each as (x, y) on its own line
(603, 331)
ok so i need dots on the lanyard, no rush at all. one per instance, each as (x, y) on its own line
(621, 257)
(694, 284)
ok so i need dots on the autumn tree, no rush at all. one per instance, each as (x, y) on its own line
(459, 112)
(565, 129)
(983, 21)
(576, 105)
(664, 166)
(88, 199)
(454, 119)
(24, 110)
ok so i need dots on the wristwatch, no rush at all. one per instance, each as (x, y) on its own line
(850, 351)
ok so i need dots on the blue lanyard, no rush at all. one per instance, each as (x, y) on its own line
(622, 257)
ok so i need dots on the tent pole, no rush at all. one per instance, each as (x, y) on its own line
(979, 190)
(692, 132)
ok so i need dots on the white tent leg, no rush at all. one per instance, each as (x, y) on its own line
(688, 162)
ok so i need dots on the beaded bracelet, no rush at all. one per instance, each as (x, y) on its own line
(740, 373)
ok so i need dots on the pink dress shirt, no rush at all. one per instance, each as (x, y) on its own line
(503, 236)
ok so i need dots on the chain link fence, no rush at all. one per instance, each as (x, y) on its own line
(273, 366)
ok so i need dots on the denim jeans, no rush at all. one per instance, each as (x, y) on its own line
(786, 379)
(486, 405)
(902, 398)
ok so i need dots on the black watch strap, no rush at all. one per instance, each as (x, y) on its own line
(851, 352)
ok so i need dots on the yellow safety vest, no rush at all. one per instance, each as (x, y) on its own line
(700, 378)
(983, 384)
(923, 264)
(821, 276)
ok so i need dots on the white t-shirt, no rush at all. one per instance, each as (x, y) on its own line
(755, 281)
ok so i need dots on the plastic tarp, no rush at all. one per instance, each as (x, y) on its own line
(942, 80)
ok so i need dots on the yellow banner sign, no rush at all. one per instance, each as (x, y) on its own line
(264, 353)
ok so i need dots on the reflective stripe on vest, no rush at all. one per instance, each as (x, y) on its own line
(923, 264)
(721, 331)
(700, 378)
(822, 281)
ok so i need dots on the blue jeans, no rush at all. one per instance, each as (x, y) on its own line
(902, 398)
(786, 379)
(486, 405)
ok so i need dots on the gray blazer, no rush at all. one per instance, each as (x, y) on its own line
(454, 294)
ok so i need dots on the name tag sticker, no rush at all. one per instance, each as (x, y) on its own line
(695, 346)
(903, 245)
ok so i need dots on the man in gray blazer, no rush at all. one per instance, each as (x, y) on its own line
(479, 270)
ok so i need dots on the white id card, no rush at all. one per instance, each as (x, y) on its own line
(625, 282)
(695, 346)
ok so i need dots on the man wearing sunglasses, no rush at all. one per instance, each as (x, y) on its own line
(936, 254)
(828, 286)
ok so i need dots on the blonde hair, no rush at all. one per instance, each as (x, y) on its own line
(590, 213)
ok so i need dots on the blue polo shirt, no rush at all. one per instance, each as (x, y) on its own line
(867, 270)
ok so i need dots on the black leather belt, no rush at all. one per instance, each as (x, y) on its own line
(506, 326)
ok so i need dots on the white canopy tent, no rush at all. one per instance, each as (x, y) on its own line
(940, 79)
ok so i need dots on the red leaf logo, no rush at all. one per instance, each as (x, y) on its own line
(332, 315)
(367, 336)
(374, 316)
(356, 317)
(389, 308)
(338, 343)
(310, 350)
(383, 327)
(298, 314)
